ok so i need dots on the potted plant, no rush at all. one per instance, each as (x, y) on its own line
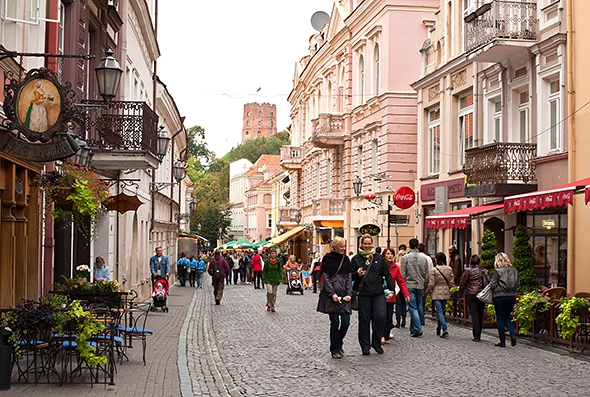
(568, 316)
(75, 192)
(526, 309)
(100, 291)
(522, 254)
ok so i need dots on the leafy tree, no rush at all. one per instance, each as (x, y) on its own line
(211, 217)
(197, 146)
(254, 148)
(523, 260)
(488, 250)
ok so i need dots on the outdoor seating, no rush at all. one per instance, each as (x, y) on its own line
(555, 292)
(134, 326)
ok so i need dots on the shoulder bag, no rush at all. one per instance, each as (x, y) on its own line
(486, 295)
(354, 302)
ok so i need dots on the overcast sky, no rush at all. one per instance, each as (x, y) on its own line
(216, 54)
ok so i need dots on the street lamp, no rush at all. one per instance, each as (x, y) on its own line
(357, 186)
(297, 216)
(163, 141)
(178, 172)
(192, 208)
(108, 73)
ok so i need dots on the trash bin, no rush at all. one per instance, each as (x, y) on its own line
(5, 358)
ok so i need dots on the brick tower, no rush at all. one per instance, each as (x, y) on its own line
(259, 120)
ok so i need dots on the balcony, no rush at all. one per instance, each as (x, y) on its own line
(499, 169)
(500, 30)
(328, 131)
(287, 215)
(123, 136)
(291, 157)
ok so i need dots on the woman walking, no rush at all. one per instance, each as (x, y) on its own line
(401, 307)
(504, 283)
(472, 282)
(272, 277)
(440, 281)
(397, 277)
(334, 298)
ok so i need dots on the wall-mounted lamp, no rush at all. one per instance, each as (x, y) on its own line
(108, 74)
(192, 208)
(297, 216)
(357, 186)
(163, 141)
(178, 172)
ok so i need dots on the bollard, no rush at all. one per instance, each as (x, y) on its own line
(5, 358)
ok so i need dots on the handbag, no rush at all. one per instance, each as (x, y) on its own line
(486, 295)
(354, 301)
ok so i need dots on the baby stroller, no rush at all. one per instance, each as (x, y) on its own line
(160, 294)
(294, 282)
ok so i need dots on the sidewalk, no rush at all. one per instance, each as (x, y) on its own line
(160, 377)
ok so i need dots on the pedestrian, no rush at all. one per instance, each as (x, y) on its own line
(218, 270)
(201, 267)
(248, 269)
(316, 267)
(159, 265)
(182, 265)
(504, 283)
(421, 251)
(455, 264)
(272, 277)
(401, 306)
(398, 279)
(101, 270)
(256, 261)
(192, 271)
(230, 262)
(473, 280)
(242, 263)
(440, 281)
(414, 268)
(235, 267)
(335, 297)
(370, 270)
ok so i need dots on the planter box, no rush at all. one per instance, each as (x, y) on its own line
(110, 299)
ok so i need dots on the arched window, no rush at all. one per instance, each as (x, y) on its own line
(361, 86)
(376, 70)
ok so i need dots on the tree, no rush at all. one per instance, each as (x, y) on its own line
(488, 250)
(197, 146)
(523, 260)
(254, 148)
(212, 217)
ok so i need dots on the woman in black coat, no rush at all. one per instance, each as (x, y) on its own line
(335, 297)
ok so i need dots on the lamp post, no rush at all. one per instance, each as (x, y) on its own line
(297, 216)
(178, 172)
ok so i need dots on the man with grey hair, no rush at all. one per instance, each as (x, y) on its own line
(414, 268)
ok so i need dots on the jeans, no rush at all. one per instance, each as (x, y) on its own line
(339, 324)
(415, 307)
(243, 274)
(439, 305)
(236, 273)
(200, 278)
(257, 279)
(182, 276)
(389, 306)
(476, 308)
(192, 276)
(401, 308)
(371, 310)
(504, 306)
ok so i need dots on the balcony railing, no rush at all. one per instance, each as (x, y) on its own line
(123, 126)
(501, 163)
(291, 157)
(287, 215)
(500, 20)
(327, 206)
(328, 130)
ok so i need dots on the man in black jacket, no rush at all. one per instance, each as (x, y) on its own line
(372, 305)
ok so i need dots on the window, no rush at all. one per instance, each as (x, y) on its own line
(468, 7)
(434, 142)
(359, 160)
(361, 86)
(269, 221)
(554, 123)
(374, 156)
(247, 123)
(523, 116)
(272, 114)
(498, 121)
(376, 71)
(258, 132)
(259, 123)
(465, 126)
(248, 114)
(259, 113)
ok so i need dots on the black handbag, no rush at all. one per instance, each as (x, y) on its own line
(354, 301)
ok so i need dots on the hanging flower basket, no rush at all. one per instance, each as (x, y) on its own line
(60, 194)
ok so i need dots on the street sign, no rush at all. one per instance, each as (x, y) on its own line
(382, 212)
(399, 219)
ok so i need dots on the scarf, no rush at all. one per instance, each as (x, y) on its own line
(367, 255)
(331, 262)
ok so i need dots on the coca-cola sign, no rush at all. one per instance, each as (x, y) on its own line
(404, 197)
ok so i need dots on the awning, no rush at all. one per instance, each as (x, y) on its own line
(329, 223)
(458, 219)
(587, 193)
(291, 234)
(559, 196)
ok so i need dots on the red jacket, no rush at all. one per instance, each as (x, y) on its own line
(256, 263)
(397, 277)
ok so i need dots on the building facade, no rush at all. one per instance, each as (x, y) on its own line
(260, 120)
(237, 189)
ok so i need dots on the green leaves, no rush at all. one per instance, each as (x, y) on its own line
(568, 317)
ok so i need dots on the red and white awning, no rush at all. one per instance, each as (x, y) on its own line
(458, 219)
(559, 196)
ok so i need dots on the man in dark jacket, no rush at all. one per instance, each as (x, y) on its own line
(372, 305)
(414, 268)
(218, 270)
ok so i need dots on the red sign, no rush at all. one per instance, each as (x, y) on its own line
(404, 197)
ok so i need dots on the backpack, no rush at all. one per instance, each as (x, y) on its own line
(217, 272)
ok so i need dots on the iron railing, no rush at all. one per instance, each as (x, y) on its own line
(500, 19)
(123, 126)
(501, 163)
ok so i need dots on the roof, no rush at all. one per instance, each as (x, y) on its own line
(271, 162)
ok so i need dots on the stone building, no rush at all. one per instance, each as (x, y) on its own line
(260, 120)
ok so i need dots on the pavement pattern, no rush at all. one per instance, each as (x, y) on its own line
(239, 349)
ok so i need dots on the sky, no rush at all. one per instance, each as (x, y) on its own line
(215, 55)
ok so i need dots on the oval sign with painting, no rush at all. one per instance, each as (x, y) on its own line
(370, 229)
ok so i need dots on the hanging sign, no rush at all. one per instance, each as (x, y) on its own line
(370, 229)
(404, 197)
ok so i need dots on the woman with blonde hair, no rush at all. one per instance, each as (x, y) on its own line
(504, 283)
(335, 297)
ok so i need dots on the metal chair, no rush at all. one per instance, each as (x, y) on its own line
(134, 328)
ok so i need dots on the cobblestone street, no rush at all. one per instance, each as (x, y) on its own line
(239, 349)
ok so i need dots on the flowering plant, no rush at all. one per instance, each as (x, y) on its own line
(76, 192)
(83, 272)
(526, 309)
(73, 285)
(568, 316)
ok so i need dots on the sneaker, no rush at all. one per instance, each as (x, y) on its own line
(378, 349)
(336, 355)
(416, 334)
(513, 341)
(366, 352)
(445, 335)
(403, 323)
(500, 344)
(268, 308)
(272, 309)
(438, 331)
(476, 340)
(385, 341)
(217, 302)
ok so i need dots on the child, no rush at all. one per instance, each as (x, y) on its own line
(159, 292)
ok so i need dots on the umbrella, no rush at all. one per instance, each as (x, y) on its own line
(245, 244)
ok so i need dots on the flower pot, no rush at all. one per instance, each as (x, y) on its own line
(59, 196)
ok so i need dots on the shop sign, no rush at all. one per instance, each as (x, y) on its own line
(404, 197)
(548, 223)
(370, 229)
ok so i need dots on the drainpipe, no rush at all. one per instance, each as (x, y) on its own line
(571, 168)
(478, 140)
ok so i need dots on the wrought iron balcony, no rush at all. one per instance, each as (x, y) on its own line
(328, 131)
(123, 136)
(291, 157)
(506, 25)
(501, 164)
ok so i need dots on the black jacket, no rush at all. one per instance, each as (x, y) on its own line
(373, 284)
